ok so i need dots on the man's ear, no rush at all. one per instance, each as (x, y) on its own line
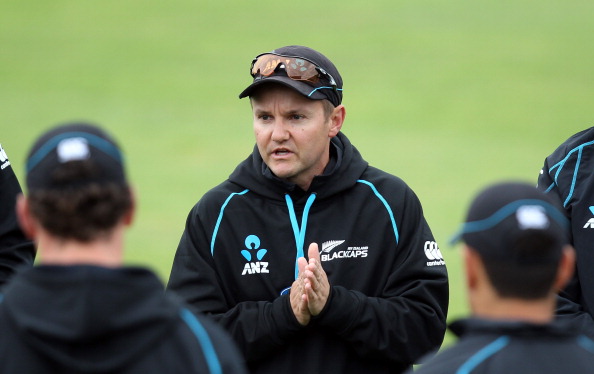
(131, 213)
(470, 267)
(336, 120)
(476, 274)
(566, 268)
(26, 220)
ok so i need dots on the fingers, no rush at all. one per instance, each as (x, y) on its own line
(309, 293)
(316, 284)
(298, 301)
(301, 264)
(316, 297)
(313, 252)
(313, 270)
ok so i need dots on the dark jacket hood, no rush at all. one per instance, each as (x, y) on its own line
(343, 171)
(86, 321)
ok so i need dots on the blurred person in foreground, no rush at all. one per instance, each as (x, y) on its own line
(16, 250)
(568, 177)
(516, 258)
(80, 310)
(315, 261)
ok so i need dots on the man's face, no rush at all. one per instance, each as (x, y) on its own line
(293, 133)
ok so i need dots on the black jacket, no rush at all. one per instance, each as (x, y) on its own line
(86, 319)
(568, 175)
(389, 293)
(15, 250)
(495, 347)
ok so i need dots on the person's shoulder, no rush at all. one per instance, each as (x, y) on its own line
(7, 175)
(581, 137)
(452, 358)
(224, 189)
(446, 361)
(221, 193)
(575, 153)
(580, 140)
(376, 175)
(210, 334)
(386, 184)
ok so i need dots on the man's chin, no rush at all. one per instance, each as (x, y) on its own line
(282, 174)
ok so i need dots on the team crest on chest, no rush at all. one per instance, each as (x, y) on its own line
(332, 250)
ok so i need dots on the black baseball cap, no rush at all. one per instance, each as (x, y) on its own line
(82, 143)
(505, 215)
(329, 87)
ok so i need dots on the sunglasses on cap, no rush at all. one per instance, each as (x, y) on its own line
(297, 68)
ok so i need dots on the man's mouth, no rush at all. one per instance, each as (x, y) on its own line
(281, 152)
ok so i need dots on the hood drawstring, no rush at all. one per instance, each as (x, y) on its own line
(299, 232)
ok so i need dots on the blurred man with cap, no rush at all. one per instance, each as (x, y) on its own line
(315, 261)
(16, 251)
(516, 257)
(80, 310)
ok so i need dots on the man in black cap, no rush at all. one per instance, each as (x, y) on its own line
(80, 310)
(568, 178)
(16, 251)
(516, 258)
(315, 261)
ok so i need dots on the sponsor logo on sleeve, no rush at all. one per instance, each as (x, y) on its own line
(3, 159)
(433, 254)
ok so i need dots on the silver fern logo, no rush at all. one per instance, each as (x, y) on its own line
(330, 245)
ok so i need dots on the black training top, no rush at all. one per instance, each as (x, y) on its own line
(568, 175)
(389, 285)
(88, 319)
(495, 347)
(16, 251)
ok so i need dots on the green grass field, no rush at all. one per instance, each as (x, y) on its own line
(449, 96)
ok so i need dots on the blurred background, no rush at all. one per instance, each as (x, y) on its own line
(449, 96)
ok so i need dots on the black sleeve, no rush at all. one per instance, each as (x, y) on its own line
(409, 319)
(258, 327)
(15, 250)
(569, 300)
(569, 308)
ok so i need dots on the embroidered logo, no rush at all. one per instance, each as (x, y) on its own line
(73, 149)
(532, 217)
(433, 254)
(252, 243)
(3, 159)
(327, 254)
(330, 244)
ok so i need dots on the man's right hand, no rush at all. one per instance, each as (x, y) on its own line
(298, 297)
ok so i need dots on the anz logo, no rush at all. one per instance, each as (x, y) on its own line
(254, 252)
